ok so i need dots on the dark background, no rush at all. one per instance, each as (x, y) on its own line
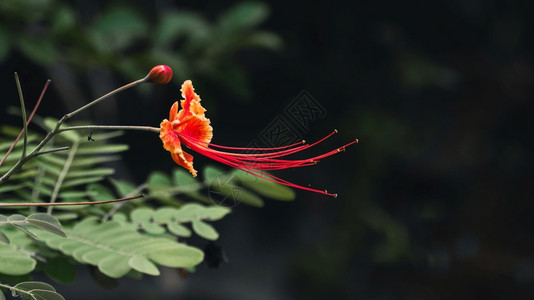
(435, 200)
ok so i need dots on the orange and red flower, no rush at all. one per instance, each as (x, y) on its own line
(191, 128)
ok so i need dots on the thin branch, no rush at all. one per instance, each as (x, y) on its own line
(69, 203)
(124, 87)
(51, 150)
(24, 119)
(28, 122)
(112, 127)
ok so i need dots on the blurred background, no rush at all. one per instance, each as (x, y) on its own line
(435, 200)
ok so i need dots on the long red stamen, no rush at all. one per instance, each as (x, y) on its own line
(256, 163)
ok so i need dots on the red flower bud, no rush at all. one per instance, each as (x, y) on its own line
(161, 74)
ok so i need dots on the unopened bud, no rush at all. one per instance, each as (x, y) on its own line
(161, 74)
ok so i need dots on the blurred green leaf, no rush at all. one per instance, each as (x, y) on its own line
(205, 230)
(177, 256)
(123, 187)
(243, 16)
(118, 28)
(265, 187)
(70, 135)
(98, 149)
(159, 180)
(40, 50)
(178, 229)
(143, 265)
(13, 262)
(142, 214)
(213, 213)
(99, 192)
(114, 266)
(152, 228)
(182, 178)
(264, 39)
(176, 24)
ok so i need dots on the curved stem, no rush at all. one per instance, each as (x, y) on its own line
(122, 88)
(112, 127)
(69, 203)
(24, 118)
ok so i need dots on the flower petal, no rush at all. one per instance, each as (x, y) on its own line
(196, 127)
(185, 160)
(173, 113)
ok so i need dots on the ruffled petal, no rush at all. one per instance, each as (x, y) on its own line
(185, 160)
(171, 140)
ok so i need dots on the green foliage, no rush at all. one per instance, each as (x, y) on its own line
(117, 249)
(40, 220)
(226, 189)
(58, 176)
(19, 257)
(190, 43)
(171, 220)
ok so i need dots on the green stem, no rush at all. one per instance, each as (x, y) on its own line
(111, 127)
(24, 118)
(51, 150)
(69, 203)
(122, 88)
(12, 288)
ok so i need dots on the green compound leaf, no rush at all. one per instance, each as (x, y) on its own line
(116, 249)
(154, 222)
